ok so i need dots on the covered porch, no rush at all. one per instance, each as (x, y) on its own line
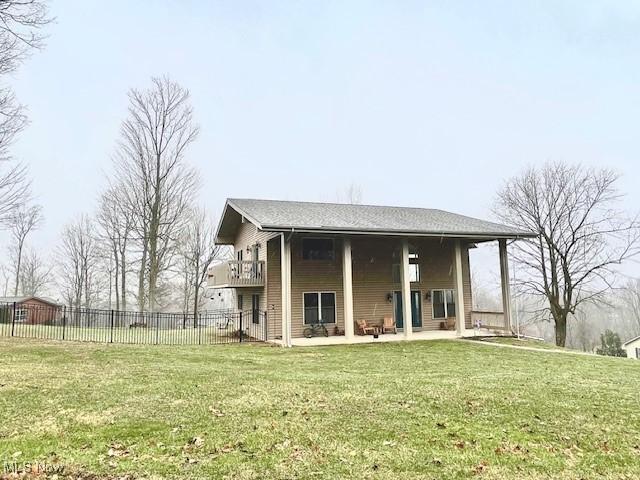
(423, 279)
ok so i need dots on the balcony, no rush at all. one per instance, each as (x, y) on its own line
(237, 274)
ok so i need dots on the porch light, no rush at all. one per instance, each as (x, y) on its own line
(427, 296)
(389, 297)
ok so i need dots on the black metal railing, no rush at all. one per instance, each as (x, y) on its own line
(115, 326)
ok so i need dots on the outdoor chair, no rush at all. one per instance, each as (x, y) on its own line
(366, 329)
(389, 325)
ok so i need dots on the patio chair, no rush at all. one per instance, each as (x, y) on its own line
(366, 329)
(389, 325)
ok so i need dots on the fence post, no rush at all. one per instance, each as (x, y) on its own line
(199, 328)
(111, 336)
(157, 326)
(240, 327)
(266, 330)
(64, 320)
(13, 320)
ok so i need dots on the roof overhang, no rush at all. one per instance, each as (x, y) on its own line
(232, 217)
(630, 341)
(480, 237)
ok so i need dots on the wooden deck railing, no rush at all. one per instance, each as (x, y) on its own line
(236, 273)
(489, 320)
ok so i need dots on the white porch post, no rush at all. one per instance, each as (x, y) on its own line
(347, 289)
(406, 290)
(506, 288)
(285, 279)
(460, 315)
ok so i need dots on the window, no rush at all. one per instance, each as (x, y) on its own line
(414, 268)
(318, 249)
(239, 302)
(255, 308)
(21, 315)
(239, 255)
(637, 352)
(396, 276)
(443, 303)
(319, 307)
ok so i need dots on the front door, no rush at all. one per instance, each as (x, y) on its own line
(416, 309)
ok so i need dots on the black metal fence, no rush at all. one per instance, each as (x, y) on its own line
(115, 326)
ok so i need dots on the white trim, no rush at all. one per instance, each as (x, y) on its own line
(21, 314)
(319, 293)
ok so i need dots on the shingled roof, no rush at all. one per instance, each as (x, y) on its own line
(277, 215)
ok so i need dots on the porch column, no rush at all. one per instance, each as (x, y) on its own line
(460, 314)
(406, 290)
(506, 287)
(347, 289)
(285, 288)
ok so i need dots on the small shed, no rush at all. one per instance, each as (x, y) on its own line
(29, 309)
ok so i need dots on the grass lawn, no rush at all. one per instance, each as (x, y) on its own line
(521, 342)
(438, 409)
(149, 336)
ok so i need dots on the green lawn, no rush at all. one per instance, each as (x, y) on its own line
(145, 336)
(439, 409)
(521, 342)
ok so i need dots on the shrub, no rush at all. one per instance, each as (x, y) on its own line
(611, 345)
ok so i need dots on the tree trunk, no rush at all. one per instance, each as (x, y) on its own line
(123, 281)
(117, 274)
(18, 266)
(154, 231)
(561, 329)
(196, 288)
(141, 275)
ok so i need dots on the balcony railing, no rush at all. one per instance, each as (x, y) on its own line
(237, 274)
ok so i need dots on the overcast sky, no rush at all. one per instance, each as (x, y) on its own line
(425, 103)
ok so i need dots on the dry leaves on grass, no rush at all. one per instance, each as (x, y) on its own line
(216, 412)
(118, 450)
(480, 468)
(194, 443)
(513, 449)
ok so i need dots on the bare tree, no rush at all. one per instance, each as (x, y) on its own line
(21, 22)
(582, 236)
(78, 261)
(35, 275)
(631, 300)
(198, 252)
(5, 279)
(14, 182)
(151, 164)
(21, 223)
(115, 225)
(351, 194)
